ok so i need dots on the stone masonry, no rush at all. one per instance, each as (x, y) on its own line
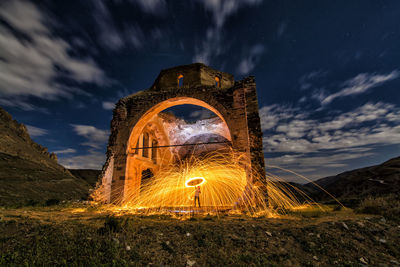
(235, 102)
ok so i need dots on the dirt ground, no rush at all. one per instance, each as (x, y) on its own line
(80, 235)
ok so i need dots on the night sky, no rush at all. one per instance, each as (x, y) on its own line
(327, 72)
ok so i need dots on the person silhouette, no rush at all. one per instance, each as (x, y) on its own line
(197, 195)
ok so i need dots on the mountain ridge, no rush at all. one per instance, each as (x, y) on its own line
(377, 180)
(28, 172)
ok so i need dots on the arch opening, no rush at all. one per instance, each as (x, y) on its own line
(180, 80)
(217, 82)
(145, 119)
(146, 177)
(161, 139)
(136, 115)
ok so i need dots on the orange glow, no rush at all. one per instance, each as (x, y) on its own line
(180, 80)
(217, 82)
(171, 187)
(195, 181)
(226, 188)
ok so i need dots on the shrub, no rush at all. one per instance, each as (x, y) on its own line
(388, 206)
(111, 224)
(31, 202)
(52, 202)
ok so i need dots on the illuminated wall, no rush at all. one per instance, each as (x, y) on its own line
(234, 103)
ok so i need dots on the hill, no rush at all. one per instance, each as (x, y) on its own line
(28, 172)
(374, 181)
(89, 175)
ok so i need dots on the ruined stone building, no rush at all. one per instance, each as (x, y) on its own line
(143, 138)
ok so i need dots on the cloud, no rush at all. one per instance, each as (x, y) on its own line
(210, 47)
(108, 105)
(201, 114)
(92, 160)
(298, 140)
(306, 81)
(96, 138)
(109, 35)
(21, 104)
(222, 9)
(35, 131)
(311, 161)
(293, 130)
(65, 151)
(271, 115)
(213, 45)
(312, 165)
(129, 35)
(361, 84)
(154, 7)
(33, 59)
(249, 62)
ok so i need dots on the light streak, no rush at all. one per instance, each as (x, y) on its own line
(195, 181)
(226, 189)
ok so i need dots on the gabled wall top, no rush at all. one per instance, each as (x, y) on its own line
(192, 75)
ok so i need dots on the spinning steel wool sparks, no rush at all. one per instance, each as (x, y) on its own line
(145, 141)
(195, 181)
(155, 161)
(224, 188)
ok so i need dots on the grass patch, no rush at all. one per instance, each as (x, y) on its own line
(388, 206)
(55, 236)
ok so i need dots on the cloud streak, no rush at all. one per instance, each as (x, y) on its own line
(33, 59)
(65, 151)
(108, 105)
(130, 35)
(295, 139)
(95, 137)
(361, 84)
(295, 131)
(94, 158)
(36, 131)
(213, 44)
(249, 62)
(91, 160)
(154, 7)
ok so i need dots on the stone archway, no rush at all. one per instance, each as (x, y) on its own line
(235, 103)
(135, 165)
(137, 126)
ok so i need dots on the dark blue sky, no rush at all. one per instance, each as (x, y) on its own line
(327, 72)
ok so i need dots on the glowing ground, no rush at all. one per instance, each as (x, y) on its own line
(224, 185)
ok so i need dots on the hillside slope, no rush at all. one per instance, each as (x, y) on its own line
(379, 180)
(89, 175)
(28, 173)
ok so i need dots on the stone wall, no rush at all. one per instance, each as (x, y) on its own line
(234, 102)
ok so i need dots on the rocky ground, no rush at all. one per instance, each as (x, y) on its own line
(88, 236)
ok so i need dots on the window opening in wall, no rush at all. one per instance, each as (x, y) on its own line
(154, 145)
(146, 177)
(217, 82)
(145, 145)
(180, 80)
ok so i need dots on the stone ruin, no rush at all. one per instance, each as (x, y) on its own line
(143, 138)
